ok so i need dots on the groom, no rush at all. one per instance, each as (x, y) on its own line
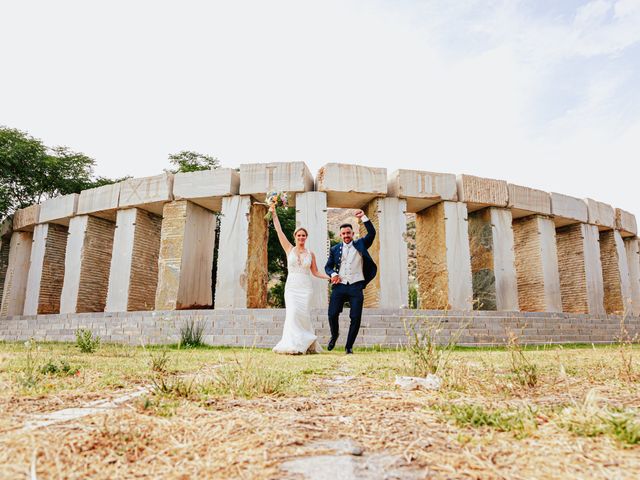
(351, 268)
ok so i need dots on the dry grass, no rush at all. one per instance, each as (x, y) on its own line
(226, 413)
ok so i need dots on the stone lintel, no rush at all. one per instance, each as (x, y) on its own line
(25, 219)
(525, 201)
(207, 187)
(422, 189)
(257, 179)
(568, 210)
(601, 214)
(478, 192)
(100, 201)
(59, 209)
(147, 193)
(626, 223)
(351, 186)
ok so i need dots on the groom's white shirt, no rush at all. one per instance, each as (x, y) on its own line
(351, 263)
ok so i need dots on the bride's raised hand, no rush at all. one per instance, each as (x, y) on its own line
(272, 209)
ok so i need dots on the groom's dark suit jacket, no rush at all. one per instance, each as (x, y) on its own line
(369, 268)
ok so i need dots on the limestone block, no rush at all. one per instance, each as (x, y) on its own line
(15, 282)
(615, 273)
(389, 288)
(422, 189)
(25, 219)
(147, 193)
(207, 187)
(632, 248)
(626, 223)
(601, 214)
(537, 264)
(242, 256)
(478, 192)
(493, 260)
(59, 209)
(311, 213)
(525, 201)
(100, 201)
(186, 257)
(568, 210)
(444, 267)
(351, 186)
(46, 270)
(256, 179)
(581, 285)
(87, 264)
(133, 276)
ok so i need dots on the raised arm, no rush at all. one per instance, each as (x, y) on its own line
(284, 241)
(314, 269)
(371, 230)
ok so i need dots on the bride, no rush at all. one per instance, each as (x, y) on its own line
(298, 335)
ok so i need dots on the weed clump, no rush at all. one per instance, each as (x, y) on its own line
(192, 333)
(86, 342)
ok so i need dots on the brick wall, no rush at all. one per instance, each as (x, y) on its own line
(53, 269)
(263, 327)
(613, 299)
(571, 263)
(5, 243)
(144, 264)
(95, 265)
(528, 253)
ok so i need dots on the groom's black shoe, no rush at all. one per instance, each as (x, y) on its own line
(332, 343)
(348, 351)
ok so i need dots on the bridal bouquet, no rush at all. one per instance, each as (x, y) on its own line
(279, 199)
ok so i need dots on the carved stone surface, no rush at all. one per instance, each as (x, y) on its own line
(626, 223)
(6, 229)
(525, 201)
(15, 282)
(632, 248)
(256, 179)
(186, 257)
(25, 219)
(478, 192)
(206, 188)
(59, 209)
(351, 186)
(580, 269)
(568, 210)
(148, 193)
(46, 271)
(311, 213)
(601, 214)
(537, 264)
(422, 189)
(100, 201)
(444, 267)
(257, 268)
(615, 272)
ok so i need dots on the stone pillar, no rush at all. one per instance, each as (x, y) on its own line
(133, 276)
(493, 260)
(581, 284)
(186, 257)
(242, 255)
(87, 264)
(632, 247)
(615, 272)
(389, 288)
(444, 267)
(46, 270)
(537, 264)
(15, 284)
(311, 213)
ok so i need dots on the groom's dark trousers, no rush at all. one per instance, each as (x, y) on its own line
(341, 293)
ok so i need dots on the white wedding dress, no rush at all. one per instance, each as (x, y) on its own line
(298, 335)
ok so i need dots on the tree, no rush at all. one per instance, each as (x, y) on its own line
(189, 161)
(31, 172)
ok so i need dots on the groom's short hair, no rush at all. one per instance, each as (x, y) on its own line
(345, 225)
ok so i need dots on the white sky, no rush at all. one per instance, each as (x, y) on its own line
(543, 93)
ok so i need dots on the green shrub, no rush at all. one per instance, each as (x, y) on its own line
(191, 333)
(86, 341)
